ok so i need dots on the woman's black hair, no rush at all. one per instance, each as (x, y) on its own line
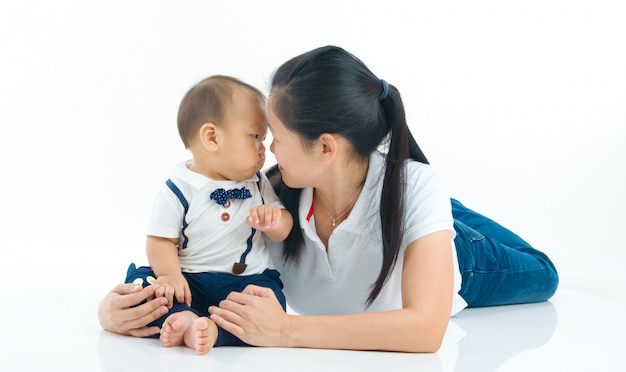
(329, 90)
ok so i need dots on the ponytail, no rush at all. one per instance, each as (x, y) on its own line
(401, 146)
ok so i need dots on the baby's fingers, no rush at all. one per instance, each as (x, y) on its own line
(160, 292)
(267, 217)
(270, 218)
(276, 213)
(183, 295)
(187, 296)
(254, 216)
(169, 294)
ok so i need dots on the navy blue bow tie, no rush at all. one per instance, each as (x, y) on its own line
(221, 196)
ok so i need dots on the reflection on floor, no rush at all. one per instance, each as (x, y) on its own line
(495, 335)
(574, 331)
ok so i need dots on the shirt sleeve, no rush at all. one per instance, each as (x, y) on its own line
(428, 208)
(166, 218)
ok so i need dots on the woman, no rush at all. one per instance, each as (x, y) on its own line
(379, 257)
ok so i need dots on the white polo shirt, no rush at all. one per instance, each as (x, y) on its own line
(339, 281)
(217, 235)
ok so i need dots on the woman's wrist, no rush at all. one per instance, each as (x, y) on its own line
(288, 337)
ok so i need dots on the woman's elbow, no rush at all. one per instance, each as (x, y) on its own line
(427, 338)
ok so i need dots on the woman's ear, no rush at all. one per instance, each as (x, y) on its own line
(208, 136)
(328, 146)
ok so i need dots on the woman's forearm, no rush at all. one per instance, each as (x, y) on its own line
(398, 330)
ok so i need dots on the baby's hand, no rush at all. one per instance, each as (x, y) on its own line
(264, 217)
(174, 286)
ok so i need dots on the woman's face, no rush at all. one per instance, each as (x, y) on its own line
(297, 164)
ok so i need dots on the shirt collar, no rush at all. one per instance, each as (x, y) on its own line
(365, 207)
(199, 181)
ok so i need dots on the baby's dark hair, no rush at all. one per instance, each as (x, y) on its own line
(207, 102)
(329, 90)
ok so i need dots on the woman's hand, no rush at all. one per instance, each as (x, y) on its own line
(255, 316)
(118, 313)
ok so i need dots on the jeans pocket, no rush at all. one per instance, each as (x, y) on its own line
(474, 250)
(466, 232)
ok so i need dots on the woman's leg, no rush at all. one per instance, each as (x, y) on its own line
(498, 267)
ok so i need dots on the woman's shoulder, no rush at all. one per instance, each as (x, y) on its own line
(417, 170)
(425, 180)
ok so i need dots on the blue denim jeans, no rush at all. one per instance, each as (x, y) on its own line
(497, 266)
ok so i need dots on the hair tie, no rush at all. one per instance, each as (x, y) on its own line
(383, 94)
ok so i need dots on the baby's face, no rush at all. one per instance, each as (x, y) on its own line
(245, 131)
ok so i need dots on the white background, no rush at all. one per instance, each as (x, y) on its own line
(520, 104)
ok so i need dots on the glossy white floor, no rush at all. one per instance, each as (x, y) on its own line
(50, 324)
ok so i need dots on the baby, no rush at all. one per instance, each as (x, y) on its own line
(204, 236)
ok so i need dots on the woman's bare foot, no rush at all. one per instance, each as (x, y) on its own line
(185, 327)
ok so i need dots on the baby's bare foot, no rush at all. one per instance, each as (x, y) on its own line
(202, 335)
(185, 327)
(175, 326)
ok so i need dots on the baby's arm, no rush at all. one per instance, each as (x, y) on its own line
(275, 222)
(163, 257)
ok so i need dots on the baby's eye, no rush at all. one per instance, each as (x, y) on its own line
(255, 136)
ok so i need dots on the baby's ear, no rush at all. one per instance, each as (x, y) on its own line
(208, 136)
